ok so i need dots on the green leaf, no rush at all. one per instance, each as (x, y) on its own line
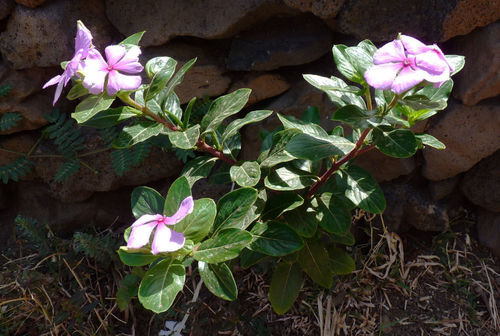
(429, 140)
(142, 131)
(277, 153)
(256, 209)
(303, 220)
(249, 258)
(77, 91)
(127, 290)
(219, 280)
(178, 192)
(307, 147)
(290, 122)
(311, 115)
(198, 224)
(336, 217)
(133, 39)
(246, 175)
(278, 204)
(136, 257)
(368, 46)
(437, 94)
(399, 143)
(457, 62)
(226, 245)
(274, 239)
(421, 102)
(112, 117)
(341, 262)
(362, 189)
(176, 79)
(160, 285)
(9, 120)
(233, 207)
(146, 201)
(337, 90)
(251, 117)
(357, 117)
(314, 260)
(285, 286)
(224, 107)
(172, 106)
(352, 62)
(90, 106)
(347, 239)
(287, 178)
(186, 139)
(161, 64)
(198, 168)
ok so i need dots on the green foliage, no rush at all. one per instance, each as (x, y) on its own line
(99, 247)
(5, 90)
(9, 120)
(18, 168)
(65, 133)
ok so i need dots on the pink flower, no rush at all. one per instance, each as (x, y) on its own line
(97, 70)
(404, 63)
(165, 239)
(83, 41)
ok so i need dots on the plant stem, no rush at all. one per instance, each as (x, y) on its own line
(204, 147)
(336, 165)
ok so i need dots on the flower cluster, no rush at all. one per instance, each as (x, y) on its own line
(406, 62)
(98, 75)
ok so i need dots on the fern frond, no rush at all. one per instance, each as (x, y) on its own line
(101, 248)
(5, 90)
(9, 120)
(68, 169)
(184, 154)
(200, 108)
(66, 133)
(16, 169)
(141, 152)
(122, 160)
(109, 134)
(36, 234)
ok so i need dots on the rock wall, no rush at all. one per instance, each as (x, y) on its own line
(265, 45)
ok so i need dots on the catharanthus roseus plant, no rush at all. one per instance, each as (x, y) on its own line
(293, 203)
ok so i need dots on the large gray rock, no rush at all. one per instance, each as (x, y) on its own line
(170, 18)
(31, 110)
(488, 230)
(45, 36)
(481, 184)
(470, 134)
(429, 20)
(480, 78)
(325, 9)
(6, 7)
(276, 44)
(263, 86)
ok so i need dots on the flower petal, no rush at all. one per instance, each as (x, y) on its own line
(124, 82)
(139, 236)
(381, 76)
(113, 83)
(144, 219)
(167, 240)
(413, 46)
(130, 62)
(390, 52)
(94, 81)
(185, 209)
(83, 39)
(52, 81)
(407, 79)
(434, 67)
(114, 53)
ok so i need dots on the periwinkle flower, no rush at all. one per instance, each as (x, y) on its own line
(404, 63)
(83, 42)
(165, 239)
(97, 70)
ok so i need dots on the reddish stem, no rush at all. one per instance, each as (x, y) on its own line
(204, 147)
(336, 165)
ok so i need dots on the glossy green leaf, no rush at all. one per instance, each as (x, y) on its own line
(160, 64)
(336, 218)
(160, 285)
(112, 116)
(314, 260)
(307, 147)
(186, 139)
(275, 239)
(133, 39)
(337, 90)
(176, 79)
(146, 201)
(437, 94)
(198, 224)
(368, 46)
(346, 239)
(429, 140)
(352, 62)
(287, 178)
(311, 115)
(136, 257)
(341, 262)
(219, 280)
(361, 189)
(277, 153)
(77, 91)
(421, 102)
(198, 168)
(178, 192)
(399, 143)
(246, 175)
(290, 122)
(226, 245)
(256, 209)
(285, 286)
(303, 220)
(249, 258)
(457, 62)
(357, 117)
(236, 125)
(127, 290)
(233, 207)
(142, 131)
(224, 107)
(278, 204)
(172, 106)
(90, 106)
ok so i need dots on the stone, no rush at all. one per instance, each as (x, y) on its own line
(6, 7)
(481, 184)
(24, 83)
(325, 9)
(409, 206)
(31, 3)
(443, 188)
(480, 78)
(263, 85)
(274, 44)
(20, 143)
(45, 36)
(31, 110)
(206, 78)
(205, 19)
(470, 134)
(383, 167)
(427, 20)
(488, 230)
